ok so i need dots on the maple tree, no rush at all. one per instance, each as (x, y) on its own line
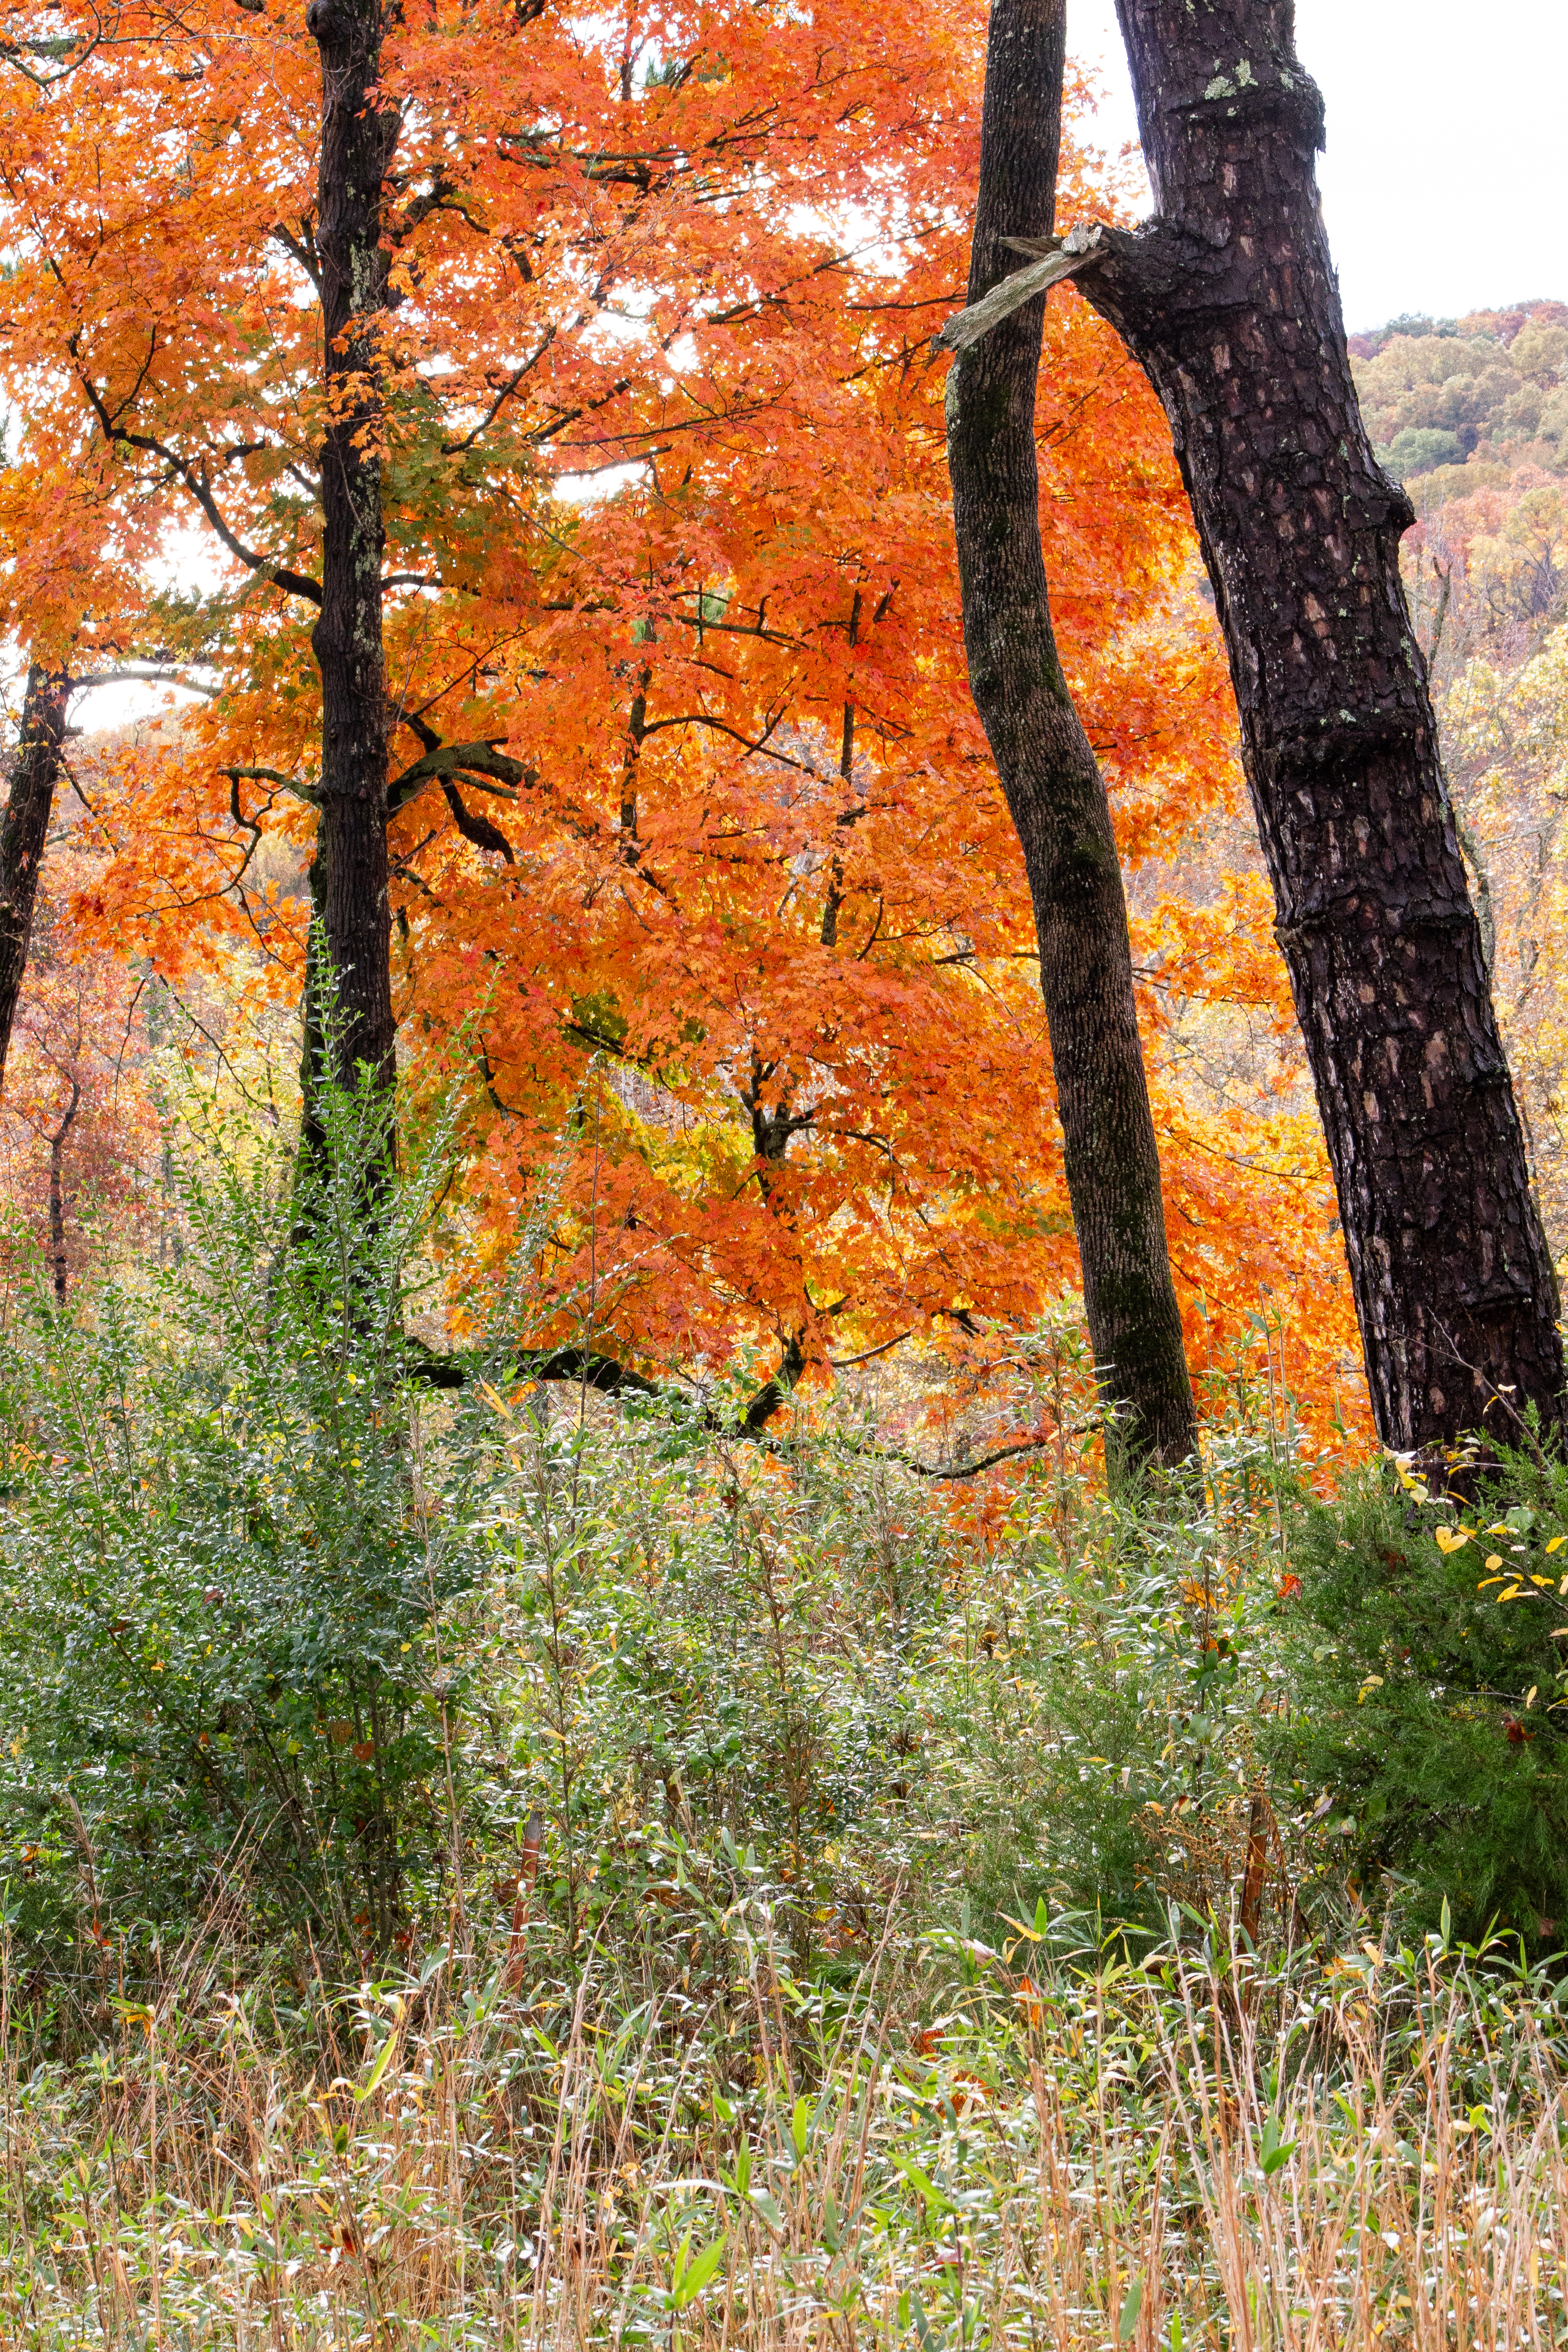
(697, 878)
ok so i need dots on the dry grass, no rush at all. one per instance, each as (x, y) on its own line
(1371, 2153)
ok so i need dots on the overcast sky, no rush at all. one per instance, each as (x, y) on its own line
(1446, 176)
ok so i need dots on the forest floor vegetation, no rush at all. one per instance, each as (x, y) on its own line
(485, 1866)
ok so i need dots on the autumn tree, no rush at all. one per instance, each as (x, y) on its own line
(68, 597)
(1228, 298)
(698, 880)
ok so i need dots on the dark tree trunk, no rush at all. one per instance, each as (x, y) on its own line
(358, 136)
(24, 831)
(1048, 770)
(57, 1259)
(1228, 301)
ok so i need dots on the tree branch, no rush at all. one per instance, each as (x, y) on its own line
(440, 761)
(195, 485)
(1057, 261)
(305, 792)
(477, 829)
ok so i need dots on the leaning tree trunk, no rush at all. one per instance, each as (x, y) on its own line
(1049, 771)
(39, 754)
(351, 887)
(1228, 301)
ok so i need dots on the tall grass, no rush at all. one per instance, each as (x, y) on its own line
(1198, 2151)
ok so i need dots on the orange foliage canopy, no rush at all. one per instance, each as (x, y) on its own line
(711, 902)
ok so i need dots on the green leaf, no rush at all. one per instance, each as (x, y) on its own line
(922, 2181)
(1131, 2311)
(690, 2281)
(768, 2206)
(800, 2128)
(382, 2060)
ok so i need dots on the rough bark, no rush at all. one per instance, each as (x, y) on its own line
(39, 757)
(358, 136)
(1049, 774)
(1228, 301)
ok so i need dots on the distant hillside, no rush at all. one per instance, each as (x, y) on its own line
(1472, 415)
(1487, 390)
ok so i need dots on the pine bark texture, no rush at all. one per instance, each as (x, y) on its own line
(1228, 301)
(1049, 774)
(39, 755)
(358, 136)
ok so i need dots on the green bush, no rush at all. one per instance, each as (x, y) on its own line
(291, 1637)
(1426, 1726)
(232, 1526)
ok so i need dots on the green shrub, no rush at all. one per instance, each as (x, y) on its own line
(1426, 1725)
(231, 1528)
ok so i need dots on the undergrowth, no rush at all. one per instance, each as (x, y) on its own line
(485, 1866)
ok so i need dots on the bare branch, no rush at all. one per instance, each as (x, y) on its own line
(141, 674)
(1080, 246)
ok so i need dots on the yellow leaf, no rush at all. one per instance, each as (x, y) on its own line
(1494, 1559)
(1530, 1702)
(1557, 1543)
(1452, 1539)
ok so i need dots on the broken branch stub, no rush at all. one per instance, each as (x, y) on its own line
(1055, 262)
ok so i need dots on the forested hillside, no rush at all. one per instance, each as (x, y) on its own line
(1471, 414)
(1486, 389)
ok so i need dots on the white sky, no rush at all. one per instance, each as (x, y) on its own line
(1445, 175)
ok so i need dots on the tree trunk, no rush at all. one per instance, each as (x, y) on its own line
(1229, 302)
(1049, 771)
(57, 1259)
(358, 136)
(34, 777)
